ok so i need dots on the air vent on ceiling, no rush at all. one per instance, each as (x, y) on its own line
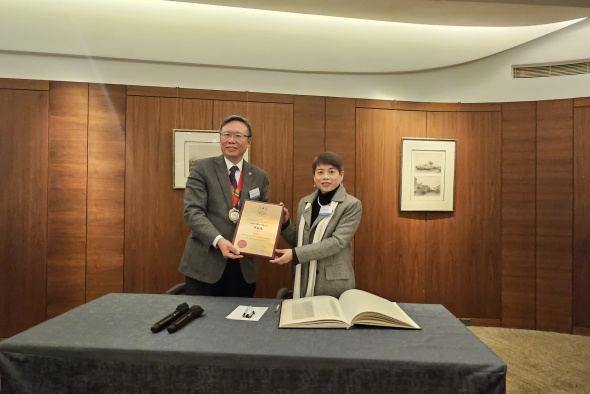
(551, 70)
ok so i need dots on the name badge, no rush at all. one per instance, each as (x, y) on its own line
(325, 210)
(254, 194)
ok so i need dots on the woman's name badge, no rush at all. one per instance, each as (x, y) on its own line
(325, 210)
(234, 215)
(255, 194)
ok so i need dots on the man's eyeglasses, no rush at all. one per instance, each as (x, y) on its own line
(237, 137)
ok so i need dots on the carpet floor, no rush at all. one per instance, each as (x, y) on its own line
(540, 362)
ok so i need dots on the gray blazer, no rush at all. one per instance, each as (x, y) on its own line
(334, 252)
(207, 201)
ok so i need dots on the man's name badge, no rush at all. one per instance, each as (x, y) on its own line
(325, 210)
(255, 194)
(234, 215)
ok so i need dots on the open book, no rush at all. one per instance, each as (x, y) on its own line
(353, 307)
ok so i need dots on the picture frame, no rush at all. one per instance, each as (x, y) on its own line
(188, 146)
(427, 174)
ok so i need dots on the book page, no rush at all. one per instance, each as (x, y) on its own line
(318, 311)
(361, 307)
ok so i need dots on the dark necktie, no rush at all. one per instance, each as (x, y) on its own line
(232, 177)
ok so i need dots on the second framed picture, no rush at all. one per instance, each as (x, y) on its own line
(427, 174)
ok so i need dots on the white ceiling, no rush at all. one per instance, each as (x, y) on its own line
(328, 36)
(435, 12)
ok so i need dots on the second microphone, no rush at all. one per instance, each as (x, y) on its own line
(194, 312)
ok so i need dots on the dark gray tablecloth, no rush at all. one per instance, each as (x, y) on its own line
(106, 346)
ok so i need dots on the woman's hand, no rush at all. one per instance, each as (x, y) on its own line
(287, 256)
(285, 215)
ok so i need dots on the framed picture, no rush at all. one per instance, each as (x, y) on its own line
(191, 145)
(427, 174)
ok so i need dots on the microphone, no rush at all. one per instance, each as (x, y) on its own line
(194, 312)
(180, 310)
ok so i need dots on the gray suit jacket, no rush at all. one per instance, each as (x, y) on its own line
(207, 201)
(334, 252)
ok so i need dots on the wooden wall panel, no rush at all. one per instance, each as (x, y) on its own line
(309, 139)
(194, 115)
(106, 190)
(271, 150)
(519, 124)
(23, 209)
(389, 245)
(463, 256)
(554, 215)
(581, 263)
(155, 231)
(341, 136)
(516, 246)
(67, 182)
(223, 109)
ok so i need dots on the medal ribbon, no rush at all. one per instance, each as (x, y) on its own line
(235, 193)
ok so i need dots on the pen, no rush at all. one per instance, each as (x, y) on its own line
(277, 308)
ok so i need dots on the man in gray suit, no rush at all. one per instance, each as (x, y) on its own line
(215, 189)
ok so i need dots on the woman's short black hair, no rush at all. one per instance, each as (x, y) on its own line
(329, 158)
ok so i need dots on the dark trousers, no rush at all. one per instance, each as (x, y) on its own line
(231, 284)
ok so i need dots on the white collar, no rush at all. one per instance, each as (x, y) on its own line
(229, 164)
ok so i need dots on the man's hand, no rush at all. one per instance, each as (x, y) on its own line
(228, 250)
(287, 256)
(285, 215)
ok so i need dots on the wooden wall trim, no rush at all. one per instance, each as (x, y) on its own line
(208, 94)
(431, 107)
(581, 331)
(582, 102)
(485, 322)
(376, 104)
(23, 84)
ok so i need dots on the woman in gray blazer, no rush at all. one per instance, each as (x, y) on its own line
(328, 219)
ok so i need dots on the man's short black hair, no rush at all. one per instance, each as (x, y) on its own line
(239, 118)
(329, 158)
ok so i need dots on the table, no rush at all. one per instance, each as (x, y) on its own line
(106, 346)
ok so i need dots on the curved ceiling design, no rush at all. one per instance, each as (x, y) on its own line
(199, 34)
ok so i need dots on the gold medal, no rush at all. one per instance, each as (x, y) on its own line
(234, 215)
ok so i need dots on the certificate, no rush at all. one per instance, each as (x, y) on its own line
(257, 231)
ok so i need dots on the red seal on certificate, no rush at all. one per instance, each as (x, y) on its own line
(242, 243)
